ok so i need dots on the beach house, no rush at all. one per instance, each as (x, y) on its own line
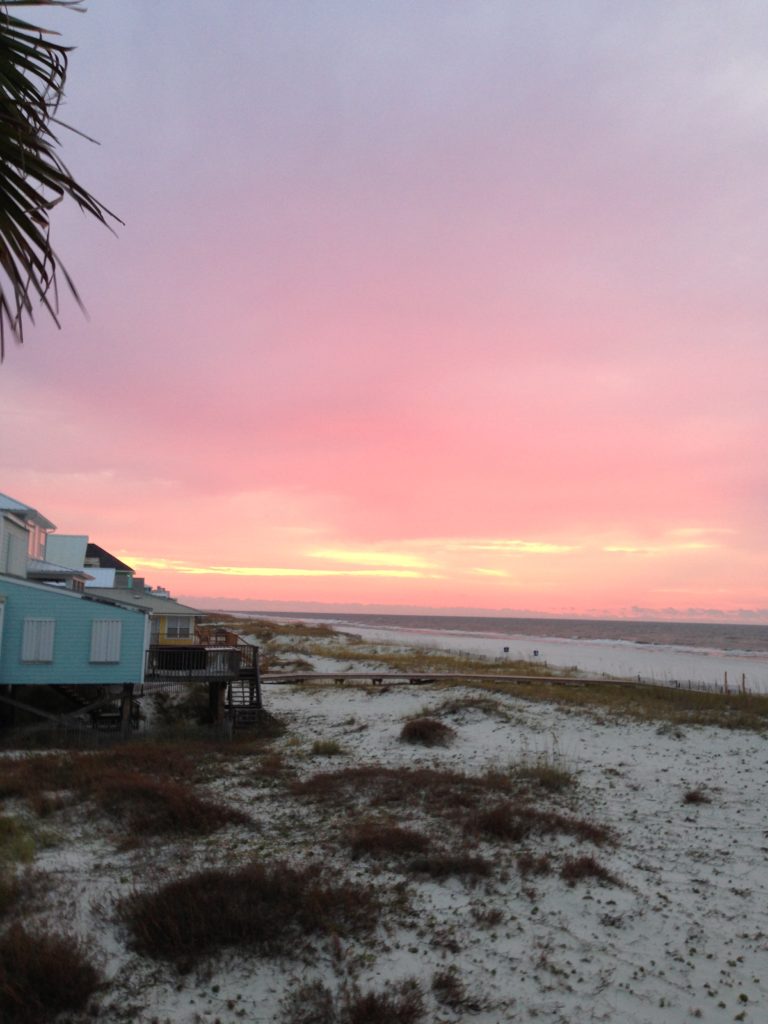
(53, 634)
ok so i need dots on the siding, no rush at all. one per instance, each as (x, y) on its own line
(72, 642)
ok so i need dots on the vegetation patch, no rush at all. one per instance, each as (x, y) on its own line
(439, 793)
(17, 843)
(576, 869)
(42, 975)
(383, 839)
(697, 796)
(449, 990)
(149, 802)
(428, 732)
(265, 908)
(396, 1003)
(517, 821)
(534, 864)
(546, 773)
(327, 748)
(446, 865)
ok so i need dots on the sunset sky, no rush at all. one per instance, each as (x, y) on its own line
(446, 304)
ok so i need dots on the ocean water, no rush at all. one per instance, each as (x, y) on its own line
(702, 635)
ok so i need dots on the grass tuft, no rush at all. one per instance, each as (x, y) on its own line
(516, 821)
(427, 732)
(327, 748)
(575, 869)
(382, 839)
(265, 908)
(313, 1003)
(42, 975)
(697, 796)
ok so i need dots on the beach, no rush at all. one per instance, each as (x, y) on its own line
(631, 892)
(652, 663)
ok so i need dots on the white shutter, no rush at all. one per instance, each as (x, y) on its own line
(105, 639)
(37, 640)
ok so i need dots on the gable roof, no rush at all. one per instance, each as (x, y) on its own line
(106, 561)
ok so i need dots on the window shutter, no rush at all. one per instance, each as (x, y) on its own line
(105, 639)
(37, 640)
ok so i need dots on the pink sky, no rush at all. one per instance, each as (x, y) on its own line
(436, 304)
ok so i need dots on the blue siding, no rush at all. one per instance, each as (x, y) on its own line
(72, 641)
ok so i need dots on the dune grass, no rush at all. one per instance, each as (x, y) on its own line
(267, 908)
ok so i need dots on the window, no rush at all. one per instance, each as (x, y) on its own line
(177, 627)
(105, 640)
(37, 640)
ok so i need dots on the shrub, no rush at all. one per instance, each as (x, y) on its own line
(42, 975)
(427, 732)
(697, 796)
(265, 908)
(575, 869)
(377, 839)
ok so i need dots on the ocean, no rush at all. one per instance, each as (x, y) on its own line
(736, 638)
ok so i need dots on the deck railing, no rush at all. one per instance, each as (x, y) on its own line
(198, 661)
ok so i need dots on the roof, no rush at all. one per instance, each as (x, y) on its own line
(106, 561)
(51, 571)
(8, 504)
(149, 602)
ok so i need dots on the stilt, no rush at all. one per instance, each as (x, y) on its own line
(126, 706)
(216, 694)
(7, 711)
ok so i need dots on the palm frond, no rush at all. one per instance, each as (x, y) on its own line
(33, 178)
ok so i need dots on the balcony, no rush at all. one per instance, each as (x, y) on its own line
(201, 662)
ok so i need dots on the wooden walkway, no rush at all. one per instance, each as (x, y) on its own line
(425, 678)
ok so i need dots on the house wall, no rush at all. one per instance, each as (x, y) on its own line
(66, 549)
(72, 640)
(160, 630)
(13, 547)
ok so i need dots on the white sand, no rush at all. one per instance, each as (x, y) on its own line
(684, 937)
(618, 658)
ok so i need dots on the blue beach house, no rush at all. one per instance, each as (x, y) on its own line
(54, 633)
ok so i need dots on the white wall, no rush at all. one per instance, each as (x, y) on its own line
(66, 549)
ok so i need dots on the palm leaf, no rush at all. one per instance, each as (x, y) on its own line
(33, 178)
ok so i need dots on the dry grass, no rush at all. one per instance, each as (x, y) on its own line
(427, 732)
(576, 869)
(385, 839)
(513, 821)
(17, 843)
(42, 975)
(439, 793)
(648, 703)
(447, 865)
(531, 864)
(697, 796)
(327, 748)
(265, 908)
(314, 1003)
(148, 801)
